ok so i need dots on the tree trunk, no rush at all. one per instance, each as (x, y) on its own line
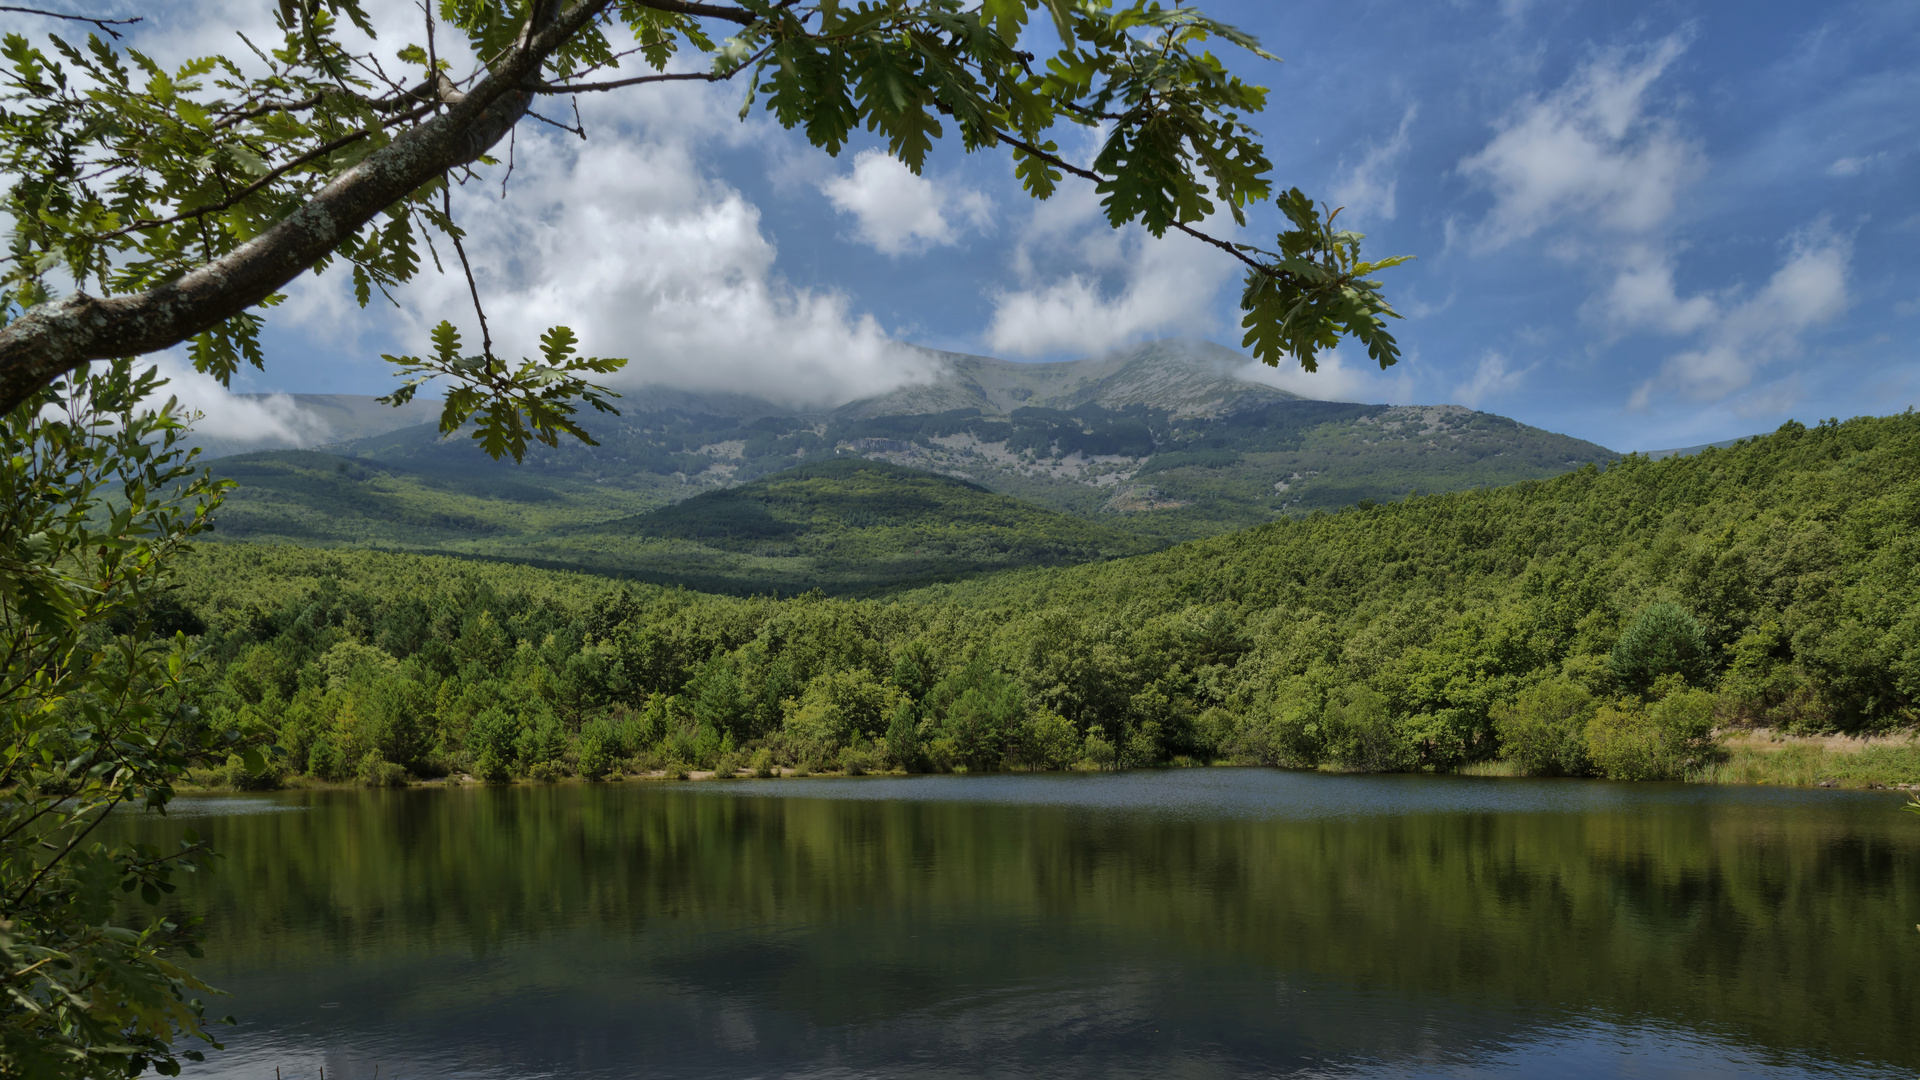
(58, 336)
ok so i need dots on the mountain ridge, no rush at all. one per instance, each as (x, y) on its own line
(1186, 377)
(1164, 442)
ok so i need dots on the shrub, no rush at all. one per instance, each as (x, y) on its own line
(376, 771)
(1362, 735)
(860, 758)
(763, 763)
(1624, 743)
(235, 774)
(547, 772)
(1098, 751)
(597, 748)
(1661, 741)
(1048, 741)
(1685, 720)
(1544, 730)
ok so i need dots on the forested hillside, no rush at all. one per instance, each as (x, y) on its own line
(843, 525)
(1597, 622)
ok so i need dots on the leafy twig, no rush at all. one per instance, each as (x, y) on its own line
(106, 25)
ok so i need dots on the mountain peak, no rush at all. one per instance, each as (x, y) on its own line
(1185, 376)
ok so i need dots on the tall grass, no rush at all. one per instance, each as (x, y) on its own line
(1808, 764)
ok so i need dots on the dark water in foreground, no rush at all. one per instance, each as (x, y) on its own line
(1200, 923)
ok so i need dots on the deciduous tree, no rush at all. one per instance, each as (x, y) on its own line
(156, 207)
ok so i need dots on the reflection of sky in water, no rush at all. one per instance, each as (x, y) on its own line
(212, 806)
(1126, 1024)
(1227, 793)
(1279, 794)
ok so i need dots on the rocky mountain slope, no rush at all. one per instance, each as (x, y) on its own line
(1179, 376)
(1164, 441)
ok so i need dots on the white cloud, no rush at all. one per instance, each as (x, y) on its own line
(1741, 337)
(1338, 381)
(1086, 288)
(1367, 190)
(1853, 166)
(622, 238)
(899, 213)
(1166, 285)
(1588, 150)
(267, 420)
(1492, 377)
(1595, 162)
(1642, 296)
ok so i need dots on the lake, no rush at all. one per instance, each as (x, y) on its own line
(1185, 923)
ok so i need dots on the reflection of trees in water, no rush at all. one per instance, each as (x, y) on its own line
(1786, 925)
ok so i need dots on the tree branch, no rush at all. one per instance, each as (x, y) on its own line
(213, 208)
(60, 335)
(1088, 174)
(704, 11)
(104, 24)
(427, 90)
(681, 76)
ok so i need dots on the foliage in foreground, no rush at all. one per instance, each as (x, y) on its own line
(188, 199)
(95, 497)
(1601, 623)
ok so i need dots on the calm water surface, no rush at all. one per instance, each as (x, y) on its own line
(1199, 923)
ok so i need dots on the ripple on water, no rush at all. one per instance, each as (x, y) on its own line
(222, 806)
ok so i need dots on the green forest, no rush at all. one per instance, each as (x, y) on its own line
(1606, 622)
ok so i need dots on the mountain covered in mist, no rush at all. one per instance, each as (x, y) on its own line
(1181, 377)
(1163, 441)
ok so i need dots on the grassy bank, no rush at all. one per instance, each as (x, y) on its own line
(1816, 761)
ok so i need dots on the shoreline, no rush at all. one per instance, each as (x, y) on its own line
(1757, 757)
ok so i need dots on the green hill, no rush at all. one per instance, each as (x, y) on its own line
(846, 525)
(437, 503)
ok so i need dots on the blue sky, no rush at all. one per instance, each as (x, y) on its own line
(1645, 224)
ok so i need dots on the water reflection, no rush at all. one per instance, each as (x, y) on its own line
(1199, 923)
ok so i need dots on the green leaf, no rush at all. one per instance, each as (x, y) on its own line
(557, 344)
